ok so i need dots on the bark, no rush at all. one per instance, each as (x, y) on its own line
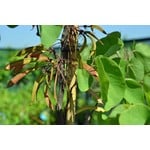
(68, 80)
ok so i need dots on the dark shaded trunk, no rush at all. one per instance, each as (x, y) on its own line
(69, 65)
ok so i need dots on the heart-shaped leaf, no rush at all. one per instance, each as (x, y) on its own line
(135, 115)
(111, 80)
(134, 92)
(111, 44)
(49, 34)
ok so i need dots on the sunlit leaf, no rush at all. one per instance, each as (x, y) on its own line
(85, 54)
(146, 85)
(136, 69)
(49, 34)
(146, 82)
(111, 79)
(142, 53)
(103, 78)
(142, 49)
(100, 109)
(118, 110)
(83, 80)
(123, 65)
(134, 92)
(135, 115)
(147, 96)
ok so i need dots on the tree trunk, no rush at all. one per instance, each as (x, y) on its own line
(68, 80)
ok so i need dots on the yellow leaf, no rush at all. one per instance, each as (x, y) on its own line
(47, 99)
(100, 101)
(36, 87)
(31, 49)
(18, 65)
(42, 58)
(100, 109)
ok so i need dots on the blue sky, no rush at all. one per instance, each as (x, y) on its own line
(24, 36)
(19, 37)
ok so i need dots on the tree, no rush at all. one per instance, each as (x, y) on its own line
(98, 78)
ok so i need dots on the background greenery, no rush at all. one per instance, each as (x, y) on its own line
(15, 102)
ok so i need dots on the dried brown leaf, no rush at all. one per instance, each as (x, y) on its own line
(18, 65)
(17, 78)
(47, 99)
(36, 86)
(32, 49)
(91, 70)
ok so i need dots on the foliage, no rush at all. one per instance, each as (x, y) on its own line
(113, 79)
(15, 103)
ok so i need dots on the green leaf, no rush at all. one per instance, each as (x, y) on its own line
(123, 64)
(49, 34)
(146, 82)
(111, 44)
(83, 79)
(143, 49)
(147, 96)
(136, 69)
(142, 53)
(111, 78)
(146, 85)
(135, 115)
(103, 78)
(118, 110)
(85, 54)
(134, 92)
